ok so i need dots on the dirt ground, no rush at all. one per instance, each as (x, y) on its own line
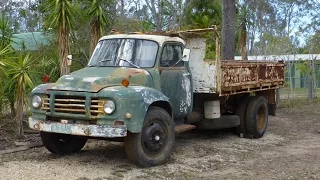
(289, 150)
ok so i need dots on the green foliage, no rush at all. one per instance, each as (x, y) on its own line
(98, 14)
(203, 14)
(20, 77)
(5, 32)
(3, 53)
(271, 44)
(313, 43)
(99, 19)
(303, 67)
(58, 13)
(48, 62)
(21, 72)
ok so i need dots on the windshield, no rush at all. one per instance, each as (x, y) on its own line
(125, 52)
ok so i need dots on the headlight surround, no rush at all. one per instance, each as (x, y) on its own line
(36, 101)
(109, 107)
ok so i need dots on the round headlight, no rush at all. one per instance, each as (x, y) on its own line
(109, 107)
(36, 101)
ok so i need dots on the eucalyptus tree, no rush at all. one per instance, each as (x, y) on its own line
(228, 29)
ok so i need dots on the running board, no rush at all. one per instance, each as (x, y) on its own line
(183, 127)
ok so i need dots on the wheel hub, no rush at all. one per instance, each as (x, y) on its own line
(261, 118)
(157, 138)
(154, 138)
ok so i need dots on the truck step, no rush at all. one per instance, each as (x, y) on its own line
(183, 127)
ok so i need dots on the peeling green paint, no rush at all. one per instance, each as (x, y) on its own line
(93, 79)
(147, 86)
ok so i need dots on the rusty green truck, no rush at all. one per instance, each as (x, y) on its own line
(144, 88)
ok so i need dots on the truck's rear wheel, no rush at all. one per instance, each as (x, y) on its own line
(153, 145)
(62, 143)
(241, 112)
(257, 116)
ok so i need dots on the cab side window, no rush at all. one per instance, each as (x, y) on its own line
(171, 54)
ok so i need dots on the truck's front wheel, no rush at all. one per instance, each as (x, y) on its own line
(62, 143)
(153, 145)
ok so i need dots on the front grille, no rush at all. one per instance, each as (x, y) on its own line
(73, 105)
(46, 103)
(70, 104)
(96, 107)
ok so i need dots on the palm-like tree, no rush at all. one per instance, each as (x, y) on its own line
(5, 32)
(20, 73)
(242, 31)
(5, 52)
(60, 16)
(98, 16)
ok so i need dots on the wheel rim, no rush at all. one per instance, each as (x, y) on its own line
(154, 138)
(261, 118)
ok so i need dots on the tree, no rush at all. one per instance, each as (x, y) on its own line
(243, 22)
(203, 14)
(161, 14)
(228, 29)
(98, 15)
(5, 50)
(60, 16)
(20, 74)
(5, 31)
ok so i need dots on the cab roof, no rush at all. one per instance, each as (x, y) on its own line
(157, 38)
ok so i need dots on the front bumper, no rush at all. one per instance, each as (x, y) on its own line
(106, 131)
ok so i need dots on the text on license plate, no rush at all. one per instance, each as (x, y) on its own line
(61, 128)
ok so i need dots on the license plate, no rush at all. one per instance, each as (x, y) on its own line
(61, 128)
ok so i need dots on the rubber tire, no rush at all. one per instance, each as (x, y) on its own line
(253, 107)
(133, 141)
(241, 112)
(62, 144)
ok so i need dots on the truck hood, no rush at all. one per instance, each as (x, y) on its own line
(93, 79)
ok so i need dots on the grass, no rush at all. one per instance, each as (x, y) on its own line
(297, 102)
(285, 93)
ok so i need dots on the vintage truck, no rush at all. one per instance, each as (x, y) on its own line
(145, 88)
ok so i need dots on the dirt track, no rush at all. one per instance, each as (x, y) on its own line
(289, 150)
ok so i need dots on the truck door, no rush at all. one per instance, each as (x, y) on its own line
(176, 81)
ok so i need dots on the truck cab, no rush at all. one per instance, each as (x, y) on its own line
(144, 88)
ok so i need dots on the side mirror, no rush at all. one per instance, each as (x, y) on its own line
(69, 60)
(186, 55)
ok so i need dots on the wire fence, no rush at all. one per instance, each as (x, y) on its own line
(299, 88)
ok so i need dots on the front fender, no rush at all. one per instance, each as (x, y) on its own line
(42, 88)
(39, 90)
(134, 100)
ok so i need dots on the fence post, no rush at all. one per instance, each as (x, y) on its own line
(277, 97)
(310, 88)
(314, 79)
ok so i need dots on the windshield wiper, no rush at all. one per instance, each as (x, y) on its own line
(99, 62)
(129, 62)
